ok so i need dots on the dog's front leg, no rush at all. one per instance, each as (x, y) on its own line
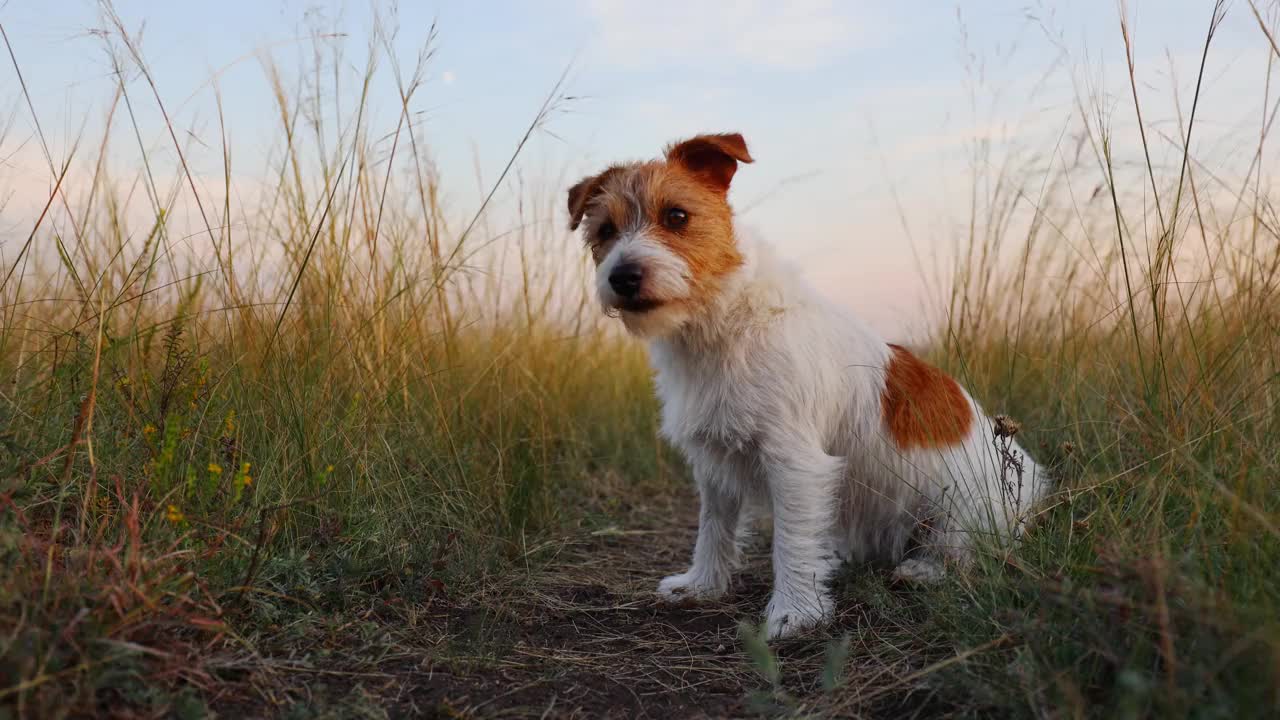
(715, 551)
(802, 483)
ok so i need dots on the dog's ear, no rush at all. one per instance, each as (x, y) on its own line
(581, 193)
(713, 158)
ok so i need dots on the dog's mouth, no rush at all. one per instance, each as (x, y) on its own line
(638, 305)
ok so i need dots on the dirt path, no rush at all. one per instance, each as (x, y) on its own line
(583, 638)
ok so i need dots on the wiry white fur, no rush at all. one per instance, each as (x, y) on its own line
(774, 396)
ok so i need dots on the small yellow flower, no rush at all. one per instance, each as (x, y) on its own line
(149, 430)
(175, 515)
(215, 468)
(329, 469)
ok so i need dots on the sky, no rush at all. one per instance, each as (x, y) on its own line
(862, 116)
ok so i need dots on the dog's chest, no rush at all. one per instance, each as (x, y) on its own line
(710, 405)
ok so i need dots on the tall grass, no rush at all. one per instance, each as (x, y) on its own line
(1137, 336)
(328, 386)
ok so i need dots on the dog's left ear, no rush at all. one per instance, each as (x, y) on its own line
(713, 158)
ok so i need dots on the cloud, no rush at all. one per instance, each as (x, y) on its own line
(795, 35)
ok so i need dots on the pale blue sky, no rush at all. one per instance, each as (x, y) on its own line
(852, 98)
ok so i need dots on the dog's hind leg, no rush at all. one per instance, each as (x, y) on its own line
(948, 545)
(920, 571)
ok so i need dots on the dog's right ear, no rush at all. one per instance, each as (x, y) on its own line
(582, 193)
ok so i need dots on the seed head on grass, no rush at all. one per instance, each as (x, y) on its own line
(1005, 426)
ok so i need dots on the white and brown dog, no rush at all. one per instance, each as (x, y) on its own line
(781, 400)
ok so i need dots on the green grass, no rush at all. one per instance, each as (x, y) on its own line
(198, 459)
(1149, 588)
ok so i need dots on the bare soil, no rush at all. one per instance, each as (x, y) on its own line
(585, 637)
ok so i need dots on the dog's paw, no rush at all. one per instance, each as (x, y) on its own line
(919, 572)
(690, 586)
(790, 614)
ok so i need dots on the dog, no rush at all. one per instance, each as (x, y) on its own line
(780, 400)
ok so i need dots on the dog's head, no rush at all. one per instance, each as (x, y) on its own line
(661, 232)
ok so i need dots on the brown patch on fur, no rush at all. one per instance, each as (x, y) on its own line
(921, 405)
(695, 178)
(707, 243)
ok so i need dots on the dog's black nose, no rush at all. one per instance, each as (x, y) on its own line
(625, 280)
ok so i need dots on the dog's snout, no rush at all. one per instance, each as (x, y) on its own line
(625, 279)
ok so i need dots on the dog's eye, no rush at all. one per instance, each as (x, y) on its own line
(675, 218)
(606, 232)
